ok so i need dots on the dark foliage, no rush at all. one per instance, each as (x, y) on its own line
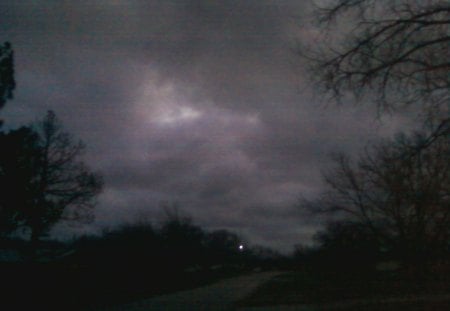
(393, 54)
(18, 164)
(400, 192)
(43, 180)
(347, 246)
(7, 82)
(140, 260)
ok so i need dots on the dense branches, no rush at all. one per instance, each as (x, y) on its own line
(67, 188)
(42, 178)
(403, 197)
(395, 53)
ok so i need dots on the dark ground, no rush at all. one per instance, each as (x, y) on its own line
(64, 287)
(354, 290)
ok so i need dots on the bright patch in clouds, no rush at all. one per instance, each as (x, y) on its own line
(177, 114)
(164, 104)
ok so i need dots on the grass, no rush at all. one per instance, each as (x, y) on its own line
(349, 290)
(404, 306)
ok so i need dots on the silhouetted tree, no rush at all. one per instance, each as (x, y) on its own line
(67, 188)
(182, 241)
(7, 82)
(394, 53)
(403, 197)
(18, 164)
(347, 244)
(221, 246)
(43, 163)
(136, 246)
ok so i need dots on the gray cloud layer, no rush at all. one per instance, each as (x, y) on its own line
(194, 102)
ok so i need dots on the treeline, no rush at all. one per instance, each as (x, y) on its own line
(133, 261)
(350, 249)
(390, 203)
(176, 246)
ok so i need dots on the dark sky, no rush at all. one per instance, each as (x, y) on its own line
(199, 103)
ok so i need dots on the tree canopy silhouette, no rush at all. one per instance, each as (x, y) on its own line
(42, 164)
(395, 55)
(7, 82)
(18, 164)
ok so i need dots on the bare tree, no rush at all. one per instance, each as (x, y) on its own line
(403, 197)
(66, 187)
(394, 53)
(43, 178)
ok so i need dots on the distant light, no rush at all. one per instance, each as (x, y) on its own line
(241, 247)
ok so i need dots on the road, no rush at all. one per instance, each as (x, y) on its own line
(223, 294)
(219, 296)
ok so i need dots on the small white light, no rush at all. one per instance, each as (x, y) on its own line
(241, 247)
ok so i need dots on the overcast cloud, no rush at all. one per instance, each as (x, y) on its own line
(199, 103)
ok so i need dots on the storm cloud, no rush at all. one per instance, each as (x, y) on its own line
(199, 103)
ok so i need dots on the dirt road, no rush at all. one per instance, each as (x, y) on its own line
(218, 296)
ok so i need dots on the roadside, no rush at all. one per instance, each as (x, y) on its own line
(293, 291)
(429, 302)
(308, 291)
